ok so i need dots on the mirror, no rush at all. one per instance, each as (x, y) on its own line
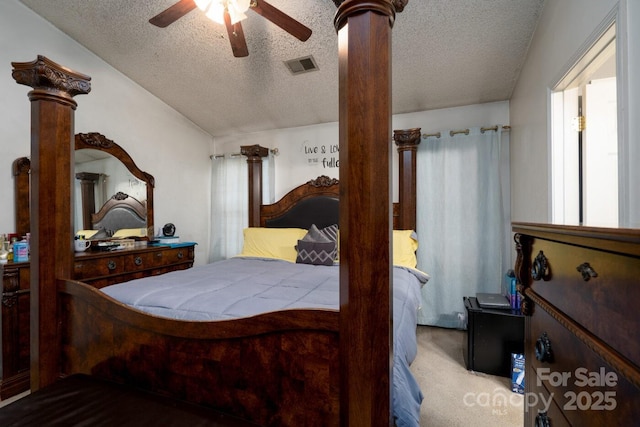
(105, 176)
(104, 173)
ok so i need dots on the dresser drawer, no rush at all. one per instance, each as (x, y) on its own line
(539, 406)
(141, 261)
(158, 258)
(97, 267)
(175, 255)
(586, 389)
(597, 303)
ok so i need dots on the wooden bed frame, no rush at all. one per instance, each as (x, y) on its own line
(307, 367)
(279, 368)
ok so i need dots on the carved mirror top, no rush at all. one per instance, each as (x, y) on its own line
(97, 141)
(90, 141)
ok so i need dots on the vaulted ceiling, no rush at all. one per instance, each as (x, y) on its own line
(446, 53)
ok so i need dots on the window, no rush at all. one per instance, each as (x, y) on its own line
(584, 142)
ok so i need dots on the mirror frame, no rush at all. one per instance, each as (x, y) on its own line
(92, 140)
(97, 141)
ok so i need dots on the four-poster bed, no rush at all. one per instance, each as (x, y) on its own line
(350, 386)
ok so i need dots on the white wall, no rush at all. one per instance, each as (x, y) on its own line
(293, 166)
(564, 28)
(152, 133)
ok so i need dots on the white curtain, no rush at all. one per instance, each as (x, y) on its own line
(268, 179)
(230, 201)
(463, 225)
(229, 205)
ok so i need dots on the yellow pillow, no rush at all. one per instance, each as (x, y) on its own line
(405, 246)
(130, 232)
(278, 243)
(86, 234)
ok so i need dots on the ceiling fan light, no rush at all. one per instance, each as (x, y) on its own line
(202, 4)
(241, 5)
(215, 12)
(236, 10)
(236, 16)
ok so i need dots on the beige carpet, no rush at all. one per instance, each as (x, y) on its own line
(454, 396)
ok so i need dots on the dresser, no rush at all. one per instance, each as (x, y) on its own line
(96, 268)
(581, 287)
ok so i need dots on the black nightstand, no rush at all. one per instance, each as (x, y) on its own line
(492, 335)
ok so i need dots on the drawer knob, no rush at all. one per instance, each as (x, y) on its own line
(138, 260)
(180, 255)
(111, 265)
(540, 267)
(586, 271)
(543, 348)
(542, 420)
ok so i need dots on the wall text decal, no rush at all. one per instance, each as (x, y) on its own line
(325, 155)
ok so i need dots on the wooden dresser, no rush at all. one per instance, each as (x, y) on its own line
(96, 268)
(581, 287)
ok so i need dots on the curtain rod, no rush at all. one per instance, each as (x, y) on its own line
(273, 151)
(465, 131)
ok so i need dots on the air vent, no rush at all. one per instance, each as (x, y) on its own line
(301, 65)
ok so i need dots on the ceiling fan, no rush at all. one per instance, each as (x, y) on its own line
(230, 12)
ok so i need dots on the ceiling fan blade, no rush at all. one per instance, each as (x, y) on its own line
(236, 37)
(281, 19)
(173, 13)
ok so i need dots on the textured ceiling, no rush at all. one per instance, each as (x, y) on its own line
(446, 53)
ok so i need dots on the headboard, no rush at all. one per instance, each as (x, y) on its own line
(121, 211)
(315, 202)
(307, 203)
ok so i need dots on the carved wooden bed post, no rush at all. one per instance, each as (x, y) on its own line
(254, 154)
(21, 172)
(407, 142)
(364, 40)
(52, 124)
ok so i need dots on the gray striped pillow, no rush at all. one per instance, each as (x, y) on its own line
(316, 253)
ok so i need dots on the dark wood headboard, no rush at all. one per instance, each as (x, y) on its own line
(317, 201)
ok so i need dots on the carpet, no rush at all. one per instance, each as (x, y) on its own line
(454, 396)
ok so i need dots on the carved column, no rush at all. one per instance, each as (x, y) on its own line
(21, 172)
(88, 193)
(52, 129)
(254, 154)
(407, 142)
(364, 40)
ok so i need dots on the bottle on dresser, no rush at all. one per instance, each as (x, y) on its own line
(4, 249)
